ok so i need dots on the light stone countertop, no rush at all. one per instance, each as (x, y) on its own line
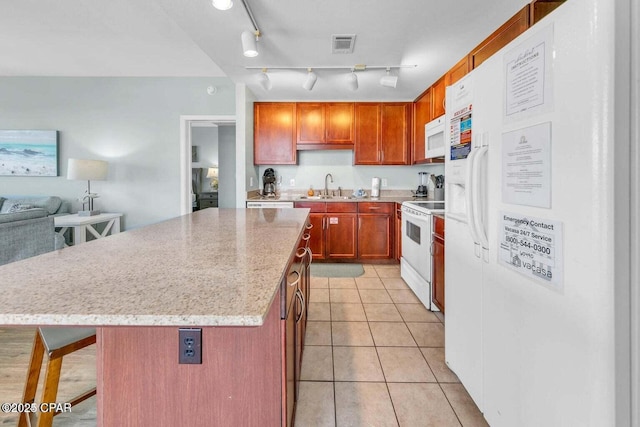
(215, 267)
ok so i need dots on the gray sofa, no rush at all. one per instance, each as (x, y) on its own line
(27, 226)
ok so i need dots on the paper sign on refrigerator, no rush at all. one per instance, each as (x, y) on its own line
(532, 247)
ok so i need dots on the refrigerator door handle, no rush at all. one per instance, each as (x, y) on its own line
(469, 199)
(479, 196)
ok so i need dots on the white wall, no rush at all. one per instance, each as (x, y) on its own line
(313, 166)
(227, 166)
(246, 171)
(131, 122)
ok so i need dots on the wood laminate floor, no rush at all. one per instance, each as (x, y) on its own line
(78, 375)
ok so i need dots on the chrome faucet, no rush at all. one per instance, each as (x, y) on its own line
(326, 185)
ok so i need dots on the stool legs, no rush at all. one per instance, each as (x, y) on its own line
(51, 379)
(31, 385)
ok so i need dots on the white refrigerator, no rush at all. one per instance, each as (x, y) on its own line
(529, 294)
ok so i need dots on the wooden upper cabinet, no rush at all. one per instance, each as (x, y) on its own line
(437, 98)
(324, 124)
(541, 8)
(339, 123)
(395, 125)
(382, 133)
(274, 133)
(367, 134)
(310, 123)
(421, 116)
(511, 29)
(457, 72)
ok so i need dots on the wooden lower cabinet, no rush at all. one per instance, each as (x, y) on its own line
(239, 382)
(317, 243)
(398, 231)
(341, 235)
(363, 231)
(375, 230)
(288, 366)
(437, 278)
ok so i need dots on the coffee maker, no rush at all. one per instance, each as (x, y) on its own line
(422, 184)
(269, 183)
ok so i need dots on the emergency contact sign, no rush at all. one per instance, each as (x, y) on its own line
(532, 247)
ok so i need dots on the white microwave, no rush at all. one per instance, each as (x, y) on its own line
(434, 138)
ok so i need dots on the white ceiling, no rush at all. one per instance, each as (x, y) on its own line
(191, 38)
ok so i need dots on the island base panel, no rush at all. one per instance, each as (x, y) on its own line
(238, 383)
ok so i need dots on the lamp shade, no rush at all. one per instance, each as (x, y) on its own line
(249, 44)
(87, 170)
(212, 172)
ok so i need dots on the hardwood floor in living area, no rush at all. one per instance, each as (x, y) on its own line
(78, 374)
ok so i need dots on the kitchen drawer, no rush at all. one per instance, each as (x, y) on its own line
(375, 207)
(314, 206)
(438, 226)
(342, 207)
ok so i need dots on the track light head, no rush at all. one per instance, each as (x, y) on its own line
(352, 81)
(264, 80)
(222, 4)
(311, 80)
(389, 80)
(250, 43)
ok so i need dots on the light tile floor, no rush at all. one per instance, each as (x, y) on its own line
(374, 356)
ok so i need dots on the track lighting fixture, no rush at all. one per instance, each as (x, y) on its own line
(352, 81)
(311, 80)
(222, 4)
(264, 80)
(250, 43)
(389, 80)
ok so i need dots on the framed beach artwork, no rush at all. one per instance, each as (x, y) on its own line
(28, 153)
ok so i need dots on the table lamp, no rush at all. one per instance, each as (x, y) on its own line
(212, 173)
(89, 170)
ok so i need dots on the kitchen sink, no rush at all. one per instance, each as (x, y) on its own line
(315, 197)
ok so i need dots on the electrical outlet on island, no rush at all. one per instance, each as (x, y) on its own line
(292, 182)
(190, 346)
(384, 182)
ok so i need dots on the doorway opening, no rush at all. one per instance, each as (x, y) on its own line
(207, 148)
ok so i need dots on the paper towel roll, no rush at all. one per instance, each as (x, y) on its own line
(375, 187)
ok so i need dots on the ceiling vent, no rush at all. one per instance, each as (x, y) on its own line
(342, 43)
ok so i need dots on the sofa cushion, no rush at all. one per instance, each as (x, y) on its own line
(50, 203)
(22, 215)
(17, 207)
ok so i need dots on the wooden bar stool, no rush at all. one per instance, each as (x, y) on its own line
(56, 342)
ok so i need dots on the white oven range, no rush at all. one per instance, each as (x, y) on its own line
(415, 264)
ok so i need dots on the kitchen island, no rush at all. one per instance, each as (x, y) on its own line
(220, 270)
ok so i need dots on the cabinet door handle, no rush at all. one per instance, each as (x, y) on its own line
(444, 103)
(359, 223)
(431, 249)
(374, 207)
(302, 307)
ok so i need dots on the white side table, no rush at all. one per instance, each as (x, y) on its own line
(83, 224)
